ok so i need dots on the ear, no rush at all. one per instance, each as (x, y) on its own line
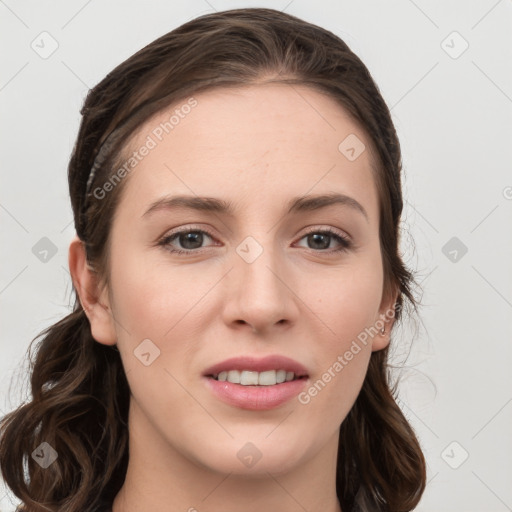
(385, 319)
(94, 301)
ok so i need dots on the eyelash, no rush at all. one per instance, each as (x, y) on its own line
(345, 243)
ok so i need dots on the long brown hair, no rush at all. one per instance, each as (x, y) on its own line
(80, 394)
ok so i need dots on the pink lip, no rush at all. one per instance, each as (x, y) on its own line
(256, 398)
(274, 362)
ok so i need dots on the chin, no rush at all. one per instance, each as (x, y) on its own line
(253, 458)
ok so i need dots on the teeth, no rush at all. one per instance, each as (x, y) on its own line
(280, 376)
(233, 376)
(267, 378)
(250, 378)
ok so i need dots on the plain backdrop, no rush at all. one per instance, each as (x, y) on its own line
(444, 70)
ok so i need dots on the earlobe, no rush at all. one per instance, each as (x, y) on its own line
(381, 339)
(94, 302)
(384, 323)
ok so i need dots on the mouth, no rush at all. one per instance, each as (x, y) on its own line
(256, 384)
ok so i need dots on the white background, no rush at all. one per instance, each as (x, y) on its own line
(454, 121)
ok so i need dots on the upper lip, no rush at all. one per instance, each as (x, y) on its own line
(272, 362)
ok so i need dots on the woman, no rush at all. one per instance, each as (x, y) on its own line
(237, 197)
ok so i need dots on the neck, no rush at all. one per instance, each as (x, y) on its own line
(160, 478)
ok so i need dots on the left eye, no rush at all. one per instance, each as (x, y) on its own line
(320, 236)
(191, 240)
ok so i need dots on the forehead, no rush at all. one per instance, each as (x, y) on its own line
(258, 141)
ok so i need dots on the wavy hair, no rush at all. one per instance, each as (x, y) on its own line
(80, 394)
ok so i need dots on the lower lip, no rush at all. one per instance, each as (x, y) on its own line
(255, 398)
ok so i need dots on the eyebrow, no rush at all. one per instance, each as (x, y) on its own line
(216, 205)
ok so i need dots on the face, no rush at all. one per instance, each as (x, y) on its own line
(268, 276)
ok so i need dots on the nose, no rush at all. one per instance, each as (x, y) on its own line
(260, 293)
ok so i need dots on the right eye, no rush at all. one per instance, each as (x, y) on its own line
(190, 239)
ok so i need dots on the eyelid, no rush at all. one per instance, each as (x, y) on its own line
(330, 229)
(186, 228)
(309, 229)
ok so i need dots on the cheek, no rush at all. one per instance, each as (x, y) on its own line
(154, 303)
(341, 370)
(348, 300)
(348, 305)
(152, 297)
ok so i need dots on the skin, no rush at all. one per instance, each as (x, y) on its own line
(257, 147)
